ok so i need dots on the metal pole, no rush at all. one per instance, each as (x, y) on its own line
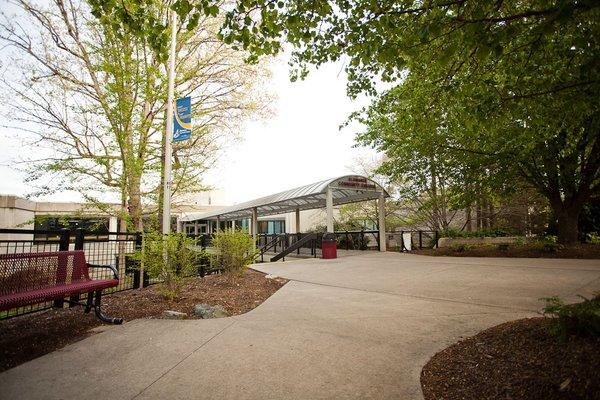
(329, 206)
(381, 206)
(166, 228)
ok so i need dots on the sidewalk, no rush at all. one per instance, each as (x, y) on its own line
(357, 327)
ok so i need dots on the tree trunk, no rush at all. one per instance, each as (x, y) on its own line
(135, 201)
(434, 196)
(568, 231)
(478, 218)
(469, 221)
(161, 194)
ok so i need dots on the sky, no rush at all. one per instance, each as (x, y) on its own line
(300, 144)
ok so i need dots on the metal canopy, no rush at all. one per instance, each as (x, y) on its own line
(345, 189)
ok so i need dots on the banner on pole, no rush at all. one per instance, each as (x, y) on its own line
(182, 123)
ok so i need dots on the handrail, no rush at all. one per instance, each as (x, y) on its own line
(295, 246)
(269, 244)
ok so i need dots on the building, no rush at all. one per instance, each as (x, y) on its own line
(292, 211)
(21, 213)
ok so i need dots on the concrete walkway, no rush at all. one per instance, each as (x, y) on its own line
(353, 328)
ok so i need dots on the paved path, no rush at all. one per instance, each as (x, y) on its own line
(353, 328)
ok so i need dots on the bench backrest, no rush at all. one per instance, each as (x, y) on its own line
(23, 272)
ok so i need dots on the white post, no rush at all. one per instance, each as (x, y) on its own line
(254, 225)
(113, 224)
(166, 222)
(329, 205)
(381, 206)
(297, 220)
(218, 224)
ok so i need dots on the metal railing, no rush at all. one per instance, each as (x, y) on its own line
(401, 241)
(112, 248)
(308, 240)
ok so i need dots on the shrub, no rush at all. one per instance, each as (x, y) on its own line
(580, 319)
(169, 258)
(234, 250)
(460, 248)
(494, 232)
(550, 244)
(593, 238)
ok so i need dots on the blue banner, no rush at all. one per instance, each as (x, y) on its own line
(182, 123)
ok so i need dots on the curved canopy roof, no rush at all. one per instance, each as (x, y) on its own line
(345, 189)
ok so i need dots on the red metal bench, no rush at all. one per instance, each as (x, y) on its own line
(31, 278)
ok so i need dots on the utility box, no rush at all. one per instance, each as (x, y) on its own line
(329, 246)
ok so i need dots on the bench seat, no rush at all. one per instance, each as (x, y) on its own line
(31, 278)
(51, 293)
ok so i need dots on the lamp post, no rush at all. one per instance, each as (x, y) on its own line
(166, 217)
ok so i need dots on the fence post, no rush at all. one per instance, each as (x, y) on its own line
(402, 241)
(420, 240)
(138, 282)
(79, 239)
(63, 245)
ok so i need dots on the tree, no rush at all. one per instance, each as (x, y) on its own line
(93, 99)
(517, 81)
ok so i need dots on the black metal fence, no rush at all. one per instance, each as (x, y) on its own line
(401, 241)
(117, 249)
(112, 248)
(359, 240)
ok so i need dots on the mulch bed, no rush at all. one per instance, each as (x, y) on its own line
(515, 360)
(525, 251)
(27, 337)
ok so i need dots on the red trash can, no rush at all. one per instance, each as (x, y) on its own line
(329, 246)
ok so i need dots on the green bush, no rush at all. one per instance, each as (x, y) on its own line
(169, 258)
(494, 232)
(550, 244)
(520, 241)
(234, 250)
(593, 238)
(580, 319)
(460, 248)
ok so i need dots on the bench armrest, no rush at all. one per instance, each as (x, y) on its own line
(113, 269)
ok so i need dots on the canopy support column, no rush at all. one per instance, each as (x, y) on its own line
(218, 224)
(297, 220)
(254, 225)
(381, 206)
(329, 205)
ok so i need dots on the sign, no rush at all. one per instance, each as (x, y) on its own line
(357, 182)
(182, 123)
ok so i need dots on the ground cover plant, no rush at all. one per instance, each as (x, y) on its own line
(29, 336)
(526, 249)
(579, 319)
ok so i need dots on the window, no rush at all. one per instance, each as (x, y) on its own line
(271, 227)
